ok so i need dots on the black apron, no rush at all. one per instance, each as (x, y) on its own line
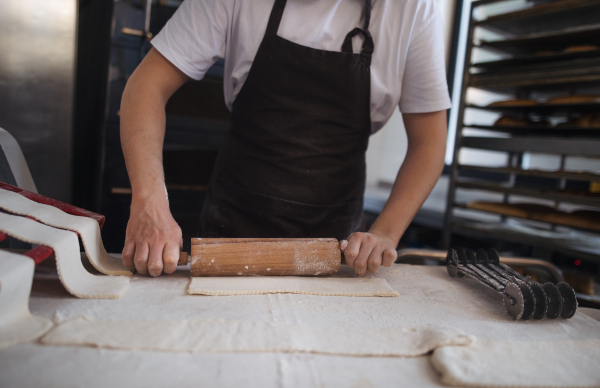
(293, 162)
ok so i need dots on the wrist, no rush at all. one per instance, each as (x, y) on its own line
(155, 195)
(389, 232)
(388, 235)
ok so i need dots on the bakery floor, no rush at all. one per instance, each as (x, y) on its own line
(428, 296)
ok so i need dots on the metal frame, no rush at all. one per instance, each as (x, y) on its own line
(424, 254)
(458, 124)
(583, 142)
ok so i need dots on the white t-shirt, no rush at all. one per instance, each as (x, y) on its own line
(407, 68)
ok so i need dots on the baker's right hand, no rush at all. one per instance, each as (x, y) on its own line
(153, 238)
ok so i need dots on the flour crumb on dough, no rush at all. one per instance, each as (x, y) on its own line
(58, 317)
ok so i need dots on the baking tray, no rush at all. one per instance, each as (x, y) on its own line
(571, 175)
(540, 131)
(464, 206)
(574, 147)
(548, 73)
(557, 15)
(528, 59)
(546, 41)
(481, 229)
(542, 109)
(551, 195)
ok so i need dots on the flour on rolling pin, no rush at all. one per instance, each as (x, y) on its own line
(265, 256)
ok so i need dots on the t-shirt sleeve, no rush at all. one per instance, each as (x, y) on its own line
(424, 86)
(194, 38)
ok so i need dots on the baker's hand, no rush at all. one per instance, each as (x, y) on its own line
(153, 238)
(368, 251)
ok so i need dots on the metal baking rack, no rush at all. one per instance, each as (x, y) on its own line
(550, 41)
(571, 132)
(522, 297)
(523, 72)
(542, 109)
(551, 14)
(527, 59)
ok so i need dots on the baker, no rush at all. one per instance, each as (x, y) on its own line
(307, 83)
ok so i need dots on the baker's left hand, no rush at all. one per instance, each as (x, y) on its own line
(368, 251)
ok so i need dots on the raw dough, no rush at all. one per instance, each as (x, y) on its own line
(76, 279)
(221, 335)
(510, 121)
(587, 120)
(290, 285)
(588, 219)
(575, 99)
(579, 48)
(87, 228)
(16, 322)
(520, 364)
(521, 210)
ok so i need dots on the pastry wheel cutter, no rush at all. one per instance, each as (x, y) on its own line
(522, 297)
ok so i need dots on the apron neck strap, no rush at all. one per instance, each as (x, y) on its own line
(275, 18)
(367, 11)
(368, 45)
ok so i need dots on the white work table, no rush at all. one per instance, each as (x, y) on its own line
(427, 296)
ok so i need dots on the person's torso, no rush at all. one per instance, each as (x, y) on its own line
(323, 25)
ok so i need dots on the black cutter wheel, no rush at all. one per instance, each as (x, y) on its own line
(471, 259)
(493, 256)
(462, 257)
(541, 303)
(569, 300)
(554, 300)
(452, 264)
(529, 300)
(482, 257)
(514, 303)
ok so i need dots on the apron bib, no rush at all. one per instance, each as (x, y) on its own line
(293, 162)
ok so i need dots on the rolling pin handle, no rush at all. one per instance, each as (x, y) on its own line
(183, 258)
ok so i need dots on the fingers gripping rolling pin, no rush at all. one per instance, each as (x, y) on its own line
(263, 256)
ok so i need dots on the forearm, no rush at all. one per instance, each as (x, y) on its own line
(418, 175)
(142, 134)
(143, 123)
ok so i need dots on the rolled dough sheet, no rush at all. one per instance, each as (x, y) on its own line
(290, 285)
(76, 279)
(16, 322)
(87, 228)
(490, 363)
(221, 335)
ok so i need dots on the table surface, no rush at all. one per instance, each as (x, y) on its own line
(427, 296)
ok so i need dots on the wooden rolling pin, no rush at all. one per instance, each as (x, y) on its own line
(263, 256)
